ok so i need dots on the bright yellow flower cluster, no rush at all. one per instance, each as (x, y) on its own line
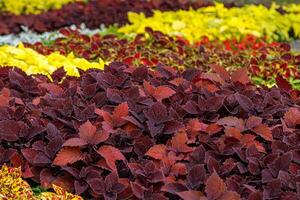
(31, 6)
(13, 187)
(32, 62)
(218, 22)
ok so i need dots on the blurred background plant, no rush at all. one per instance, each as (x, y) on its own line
(267, 3)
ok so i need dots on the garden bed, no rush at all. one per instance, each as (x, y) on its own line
(194, 104)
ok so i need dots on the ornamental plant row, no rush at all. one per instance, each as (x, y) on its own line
(31, 6)
(92, 13)
(219, 22)
(264, 60)
(136, 133)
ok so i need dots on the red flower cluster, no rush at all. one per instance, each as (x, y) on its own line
(93, 14)
(135, 133)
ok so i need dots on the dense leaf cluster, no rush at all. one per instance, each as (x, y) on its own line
(219, 22)
(136, 133)
(93, 14)
(264, 60)
(31, 6)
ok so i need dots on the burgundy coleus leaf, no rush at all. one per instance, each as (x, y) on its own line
(198, 155)
(65, 182)
(107, 124)
(191, 195)
(178, 169)
(113, 185)
(111, 155)
(16, 160)
(75, 142)
(163, 92)
(29, 154)
(174, 188)
(120, 112)
(51, 88)
(147, 171)
(207, 85)
(216, 189)
(158, 151)
(241, 76)
(160, 92)
(194, 127)
(283, 84)
(232, 122)
(27, 172)
(4, 97)
(87, 135)
(230, 195)
(212, 129)
(233, 133)
(177, 81)
(248, 140)
(80, 187)
(245, 102)
(292, 117)
(213, 77)
(68, 155)
(46, 178)
(221, 71)
(157, 113)
(117, 118)
(9, 130)
(179, 142)
(272, 189)
(264, 131)
(253, 122)
(138, 190)
(196, 176)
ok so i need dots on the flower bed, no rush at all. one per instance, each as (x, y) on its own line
(117, 132)
(218, 22)
(264, 60)
(93, 14)
(31, 6)
(184, 114)
(147, 134)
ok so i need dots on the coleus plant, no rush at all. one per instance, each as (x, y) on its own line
(92, 13)
(14, 187)
(138, 133)
(264, 60)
